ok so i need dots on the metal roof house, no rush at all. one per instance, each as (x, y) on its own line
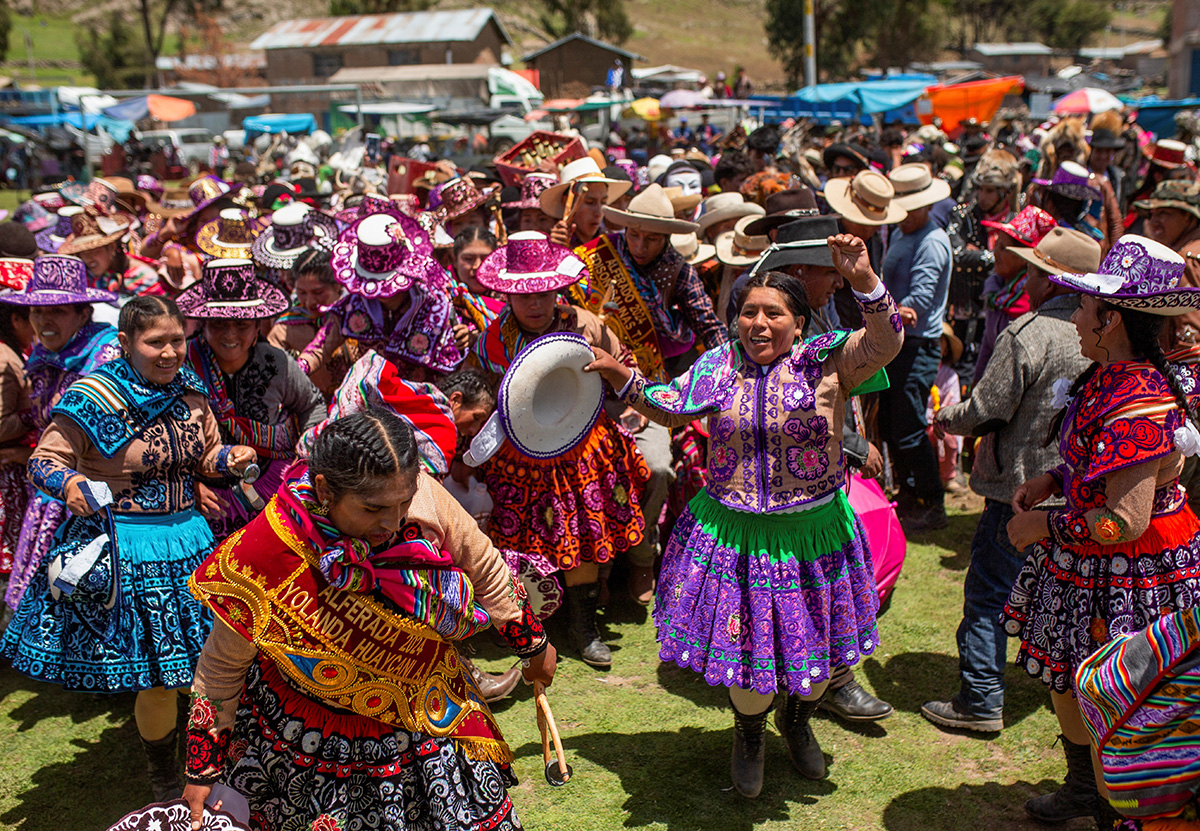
(1013, 58)
(572, 66)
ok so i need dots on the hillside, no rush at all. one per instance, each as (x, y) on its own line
(710, 35)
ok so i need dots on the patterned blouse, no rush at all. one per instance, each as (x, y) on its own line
(776, 431)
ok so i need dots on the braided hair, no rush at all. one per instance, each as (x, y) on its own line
(357, 452)
(139, 314)
(316, 262)
(8, 330)
(792, 289)
(471, 384)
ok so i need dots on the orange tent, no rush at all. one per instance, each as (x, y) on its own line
(166, 108)
(974, 99)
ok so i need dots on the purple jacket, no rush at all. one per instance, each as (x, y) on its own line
(776, 431)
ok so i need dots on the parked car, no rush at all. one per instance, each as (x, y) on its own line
(191, 143)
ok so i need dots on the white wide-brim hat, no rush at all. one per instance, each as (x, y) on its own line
(547, 404)
(581, 171)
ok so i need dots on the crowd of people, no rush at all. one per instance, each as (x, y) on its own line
(275, 445)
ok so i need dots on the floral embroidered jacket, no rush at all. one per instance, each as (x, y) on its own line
(1121, 467)
(147, 442)
(776, 431)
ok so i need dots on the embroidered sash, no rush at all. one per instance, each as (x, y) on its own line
(608, 290)
(345, 648)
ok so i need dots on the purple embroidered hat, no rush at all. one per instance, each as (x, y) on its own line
(1073, 181)
(58, 280)
(229, 289)
(529, 264)
(34, 216)
(52, 238)
(1140, 274)
(293, 229)
(148, 184)
(382, 254)
(369, 205)
(532, 187)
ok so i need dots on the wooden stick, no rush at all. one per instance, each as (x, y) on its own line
(546, 720)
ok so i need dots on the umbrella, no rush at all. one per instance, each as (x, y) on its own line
(646, 109)
(1087, 100)
(884, 534)
(159, 107)
(682, 99)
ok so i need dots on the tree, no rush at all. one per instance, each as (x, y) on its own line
(5, 28)
(338, 8)
(605, 19)
(155, 32)
(113, 56)
(842, 26)
(1067, 24)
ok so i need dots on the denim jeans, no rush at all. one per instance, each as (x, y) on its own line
(982, 643)
(902, 422)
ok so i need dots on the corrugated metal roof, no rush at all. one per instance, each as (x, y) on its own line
(993, 49)
(404, 27)
(418, 72)
(632, 56)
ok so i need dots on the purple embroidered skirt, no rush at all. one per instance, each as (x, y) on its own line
(770, 602)
(42, 518)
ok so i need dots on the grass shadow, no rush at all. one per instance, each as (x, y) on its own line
(680, 780)
(52, 701)
(689, 684)
(968, 807)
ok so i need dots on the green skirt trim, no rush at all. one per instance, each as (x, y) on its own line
(798, 535)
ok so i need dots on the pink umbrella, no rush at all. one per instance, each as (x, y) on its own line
(884, 534)
(682, 99)
(1087, 100)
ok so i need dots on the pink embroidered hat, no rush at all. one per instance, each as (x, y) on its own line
(529, 264)
(293, 229)
(230, 290)
(58, 280)
(382, 254)
(367, 206)
(532, 187)
(1138, 273)
(1028, 227)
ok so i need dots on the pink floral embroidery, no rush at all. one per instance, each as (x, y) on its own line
(325, 823)
(204, 714)
(806, 463)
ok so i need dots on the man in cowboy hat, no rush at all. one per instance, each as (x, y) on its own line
(578, 201)
(1010, 407)
(657, 305)
(916, 270)
(863, 205)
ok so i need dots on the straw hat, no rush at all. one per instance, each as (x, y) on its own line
(230, 235)
(580, 171)
(529, 264)
(740, 248)
(691, 249)
(1063, 251)
(681, 201)
(650, 210)
(724, 206)
(1140, 274)
(382, 255)
(230, 290)
(867, 199)
(547, 404)
(87, 234)
(916, 187)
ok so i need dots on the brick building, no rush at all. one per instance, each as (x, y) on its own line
(572, 66)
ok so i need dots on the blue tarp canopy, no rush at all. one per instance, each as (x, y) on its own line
(279, 123)
(1159, 116)
(131, 109)
(52, 120)
(870, 96)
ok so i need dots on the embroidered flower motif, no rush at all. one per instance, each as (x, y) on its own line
(325, 823)
(806, 463)
(1098, 630)
(897, 322)
(665, 396)
(358, 323)
(418, 344)
(797, 397)
(1108, 529)
(723, 462)
(795, 428)
(204, 714)
(733, 627)
(237, 750)
(548, 518)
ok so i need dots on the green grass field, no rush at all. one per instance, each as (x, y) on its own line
(649, 743)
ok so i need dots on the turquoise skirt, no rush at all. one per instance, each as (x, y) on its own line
(160, 627)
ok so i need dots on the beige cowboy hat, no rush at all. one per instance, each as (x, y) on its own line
(722, 206)
(1063, 251)
(691, 249)
(650, 210)
(916, 187)
(681, 201)
(867, 199)
(580, 171)
(956, 344)
(737, 248)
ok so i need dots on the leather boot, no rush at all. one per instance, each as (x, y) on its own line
(851, 702)
(793, 719)
(162, 763)
(494, 687)
(582, 602)
(746, 765)
(1077, 797)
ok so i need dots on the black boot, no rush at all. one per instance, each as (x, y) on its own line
(162, 763)
(793, 723)
(1077, 797)
(582, 602)
(746, 765)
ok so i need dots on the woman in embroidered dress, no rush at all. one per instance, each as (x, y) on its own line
(69, 346)
(141, 425)
(16, 336)
(475, 305)
(357, 713)
(397, 304)
(1126, 548)
(766, 584)
(580, 509)
(260, 396)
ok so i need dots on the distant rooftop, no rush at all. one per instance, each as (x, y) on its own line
(630, 56)
(405, 27)
(1116, 53)
(993, 50)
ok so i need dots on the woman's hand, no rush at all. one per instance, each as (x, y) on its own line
(75, 499)
(462, 335)
(1027, 528)
(541, 666)
(908, 315)
(240, 457)
(610, 369)
(208, 503)
(1034, 493)
(194, 796)
(851, 260)
(633, 421)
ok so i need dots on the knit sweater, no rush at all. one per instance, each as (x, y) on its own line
(1011, 406)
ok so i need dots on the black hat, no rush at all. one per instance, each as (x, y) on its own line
(853, 152)
(1106, 139)
(801, 242)
(783, 207)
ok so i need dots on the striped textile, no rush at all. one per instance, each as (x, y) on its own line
(1140, 696)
